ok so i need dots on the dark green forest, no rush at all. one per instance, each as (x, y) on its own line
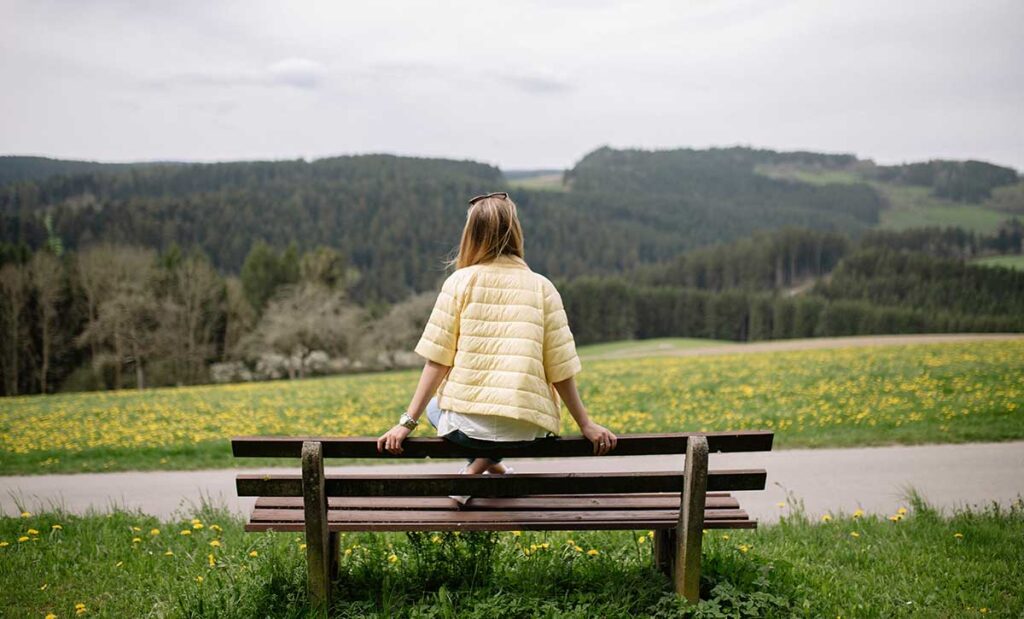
(117, 275)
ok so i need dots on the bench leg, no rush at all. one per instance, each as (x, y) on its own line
(315, 503)
(664, 548)
(333, 554)
(690, 530)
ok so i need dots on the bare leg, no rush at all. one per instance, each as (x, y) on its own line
(478, 466)
(497, 469)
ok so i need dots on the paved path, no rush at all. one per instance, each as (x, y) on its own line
(872, 478)
(815, 343)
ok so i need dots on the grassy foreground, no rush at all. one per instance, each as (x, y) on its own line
(122, 564)
(924, 393)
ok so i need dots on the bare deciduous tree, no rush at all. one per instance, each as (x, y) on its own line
(14, 289)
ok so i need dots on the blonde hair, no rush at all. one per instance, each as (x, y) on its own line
(492, 229)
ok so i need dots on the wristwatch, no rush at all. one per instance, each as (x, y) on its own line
(407, 421)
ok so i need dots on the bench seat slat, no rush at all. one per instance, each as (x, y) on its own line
(562, 503)
(576, 446)
(406, 516)
(497, 486)
(550, 525)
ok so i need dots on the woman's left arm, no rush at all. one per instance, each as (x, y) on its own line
(432, 375)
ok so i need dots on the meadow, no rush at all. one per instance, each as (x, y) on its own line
(913, 563)
(1010, 262)
(925, 393)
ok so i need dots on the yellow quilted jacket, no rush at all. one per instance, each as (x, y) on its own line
(503, 330)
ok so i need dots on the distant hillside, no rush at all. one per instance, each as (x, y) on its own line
(19, 168)
(395, 218)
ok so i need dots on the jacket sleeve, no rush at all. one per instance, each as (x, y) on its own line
(441, 333)
(560, 359)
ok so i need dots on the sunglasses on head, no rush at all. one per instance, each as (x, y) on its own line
(496, 194)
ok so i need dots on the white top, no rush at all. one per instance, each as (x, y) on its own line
(488, 427)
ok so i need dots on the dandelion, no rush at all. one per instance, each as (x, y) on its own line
(169, 553)
(55, 527)
(23, 538)
(136, 540)
(593, 552)
(136, 529)
(726, 536)
(859, 513)
(650, 534)
(826, 518)
(186, 532)
(43, 587)
(302, 546)
(577, 549)
(33, 532)
(348, 551)
(26, 514)
(154, 532)
(195, 521)
(215, 543)
(50, 616)
(854, 534)
(514, 533)
(392, 558)
(958, 535)
(983, 610)
(902, 511)
(199, 579)
(4, 544)
(211, 560)
(216, 527)
(253, 553)
(780, 504)
(80, 609)
(743, 548)
(437, 539)
(896, 518)
(641, 539)
(197, 525)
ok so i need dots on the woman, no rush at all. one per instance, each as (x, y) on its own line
(498, 348)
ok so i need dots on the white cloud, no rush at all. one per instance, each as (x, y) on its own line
(298, 72)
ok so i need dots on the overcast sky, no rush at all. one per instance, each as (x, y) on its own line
(517, 84)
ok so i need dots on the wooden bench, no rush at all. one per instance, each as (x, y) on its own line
(678, 504)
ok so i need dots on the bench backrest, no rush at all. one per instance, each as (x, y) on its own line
(572, 447)
(499, 485)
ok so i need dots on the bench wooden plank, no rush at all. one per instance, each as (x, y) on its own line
(593, 501)
(552, 525)
(495, 486)
(628, 445)
(395, 516)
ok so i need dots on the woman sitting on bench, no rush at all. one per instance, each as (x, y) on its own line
(498, 348)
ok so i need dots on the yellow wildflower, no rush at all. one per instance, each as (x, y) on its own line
(902, 511)
(780, 504)
(577, 549)
(896, 518)
(56, 527)
(858, 513)
(726, 536)
(517, 533)
(650, 534)
(641, 539)
(826, 518)
(592, 552)
(253, 553)
(436, 539)
(958, 535)
(23, 538)
(136, 540)
(136, 529)
(197, 525)
(215, 543)
(154, 531)
(3, 544)
(43, 587)
(216, 527)
(854, 534)
(211, 560)
(392, 559)
(51, 616)
(186, 532)
(743, 547)
(26, 514)
(302, 546)
(199, 579)
(33, 532)
(169, 553)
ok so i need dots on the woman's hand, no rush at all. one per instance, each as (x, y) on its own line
(392, 439)
(602, 438)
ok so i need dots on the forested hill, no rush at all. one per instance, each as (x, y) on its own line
(19, 168)
(395, 218)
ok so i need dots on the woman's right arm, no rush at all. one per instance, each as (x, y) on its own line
(602, 438)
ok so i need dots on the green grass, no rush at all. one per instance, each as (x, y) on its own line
(1010, 262)
(915, 567)
(655, 346)
(545, 182)
(809, 175)
(844, 397)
